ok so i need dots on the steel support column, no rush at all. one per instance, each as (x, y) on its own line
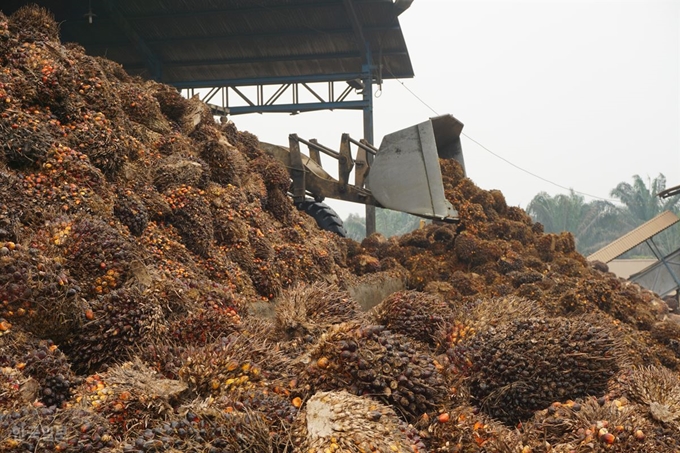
(368, 129)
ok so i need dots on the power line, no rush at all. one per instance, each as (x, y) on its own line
(501, 157)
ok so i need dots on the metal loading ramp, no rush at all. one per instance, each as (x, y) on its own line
(662, 277)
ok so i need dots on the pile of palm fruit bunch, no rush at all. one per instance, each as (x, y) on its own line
(160, 292)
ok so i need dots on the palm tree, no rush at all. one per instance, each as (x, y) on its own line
(558, 213)
(593, 224)
(642, 201)
(642, 204)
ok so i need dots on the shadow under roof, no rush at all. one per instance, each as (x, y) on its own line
(199, 43)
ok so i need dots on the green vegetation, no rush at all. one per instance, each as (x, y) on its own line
(597, 223)
(387, 222)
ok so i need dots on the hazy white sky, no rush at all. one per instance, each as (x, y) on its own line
(584, 94)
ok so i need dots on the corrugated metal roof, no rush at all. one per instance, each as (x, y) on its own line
(635, 237)
(199, 42)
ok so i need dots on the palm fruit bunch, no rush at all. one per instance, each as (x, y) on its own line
(37, 293)
(277, 181)
(523, 365)
(369, 359)
(475, 251)
(231, 212)
(339, 421)
(162, 356)
(192, 217)
(415, 314)
(180, 171)
(100, 254)
(23, 147)
(142, 107)
(164, 244)
(470, 317)
(227, 164)
(63, 183)
(106, 144)
(173, 105)
(48, 366)
(597, 425)
(200, 428)
(308, 309)
(231, 364)
(114, 325)
(41, 368)
(668, 333)
(273, 404)
(131, 211)
(203, 326)
(464, 429)
(45, 429)
(129, 396)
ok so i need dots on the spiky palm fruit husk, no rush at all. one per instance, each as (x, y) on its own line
(365, 359)
(162, 356)
(656, 389)
(340, 421)
(415, 314)
(276, 405)
(232, 364)
(200, 427)
(70, 430)
(597, 425)
(471, 317)
(115, 324)
(464, 429)
(668, 333)
(523, 365)
(34, 23)
(16, 389)
(307, 309)
(129, 396)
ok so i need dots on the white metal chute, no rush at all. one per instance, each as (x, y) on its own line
(405, 174)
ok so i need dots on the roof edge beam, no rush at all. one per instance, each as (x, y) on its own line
(184, 64)
(246, 9)
(236, 37)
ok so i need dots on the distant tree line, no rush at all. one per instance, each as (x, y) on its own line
(594, 224)
(597, 223)
(389, 223)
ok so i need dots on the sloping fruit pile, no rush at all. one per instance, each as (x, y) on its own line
(139, 237)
